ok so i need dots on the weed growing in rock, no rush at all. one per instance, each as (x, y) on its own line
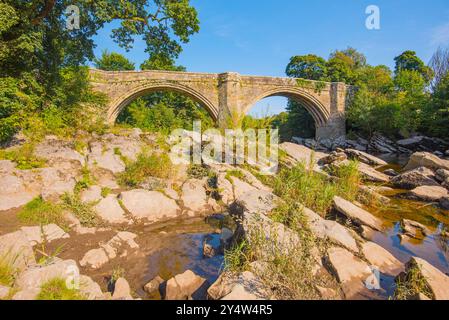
(7, 271)
(409, 285)
(83, 211)
(154, 165)
(23, 156)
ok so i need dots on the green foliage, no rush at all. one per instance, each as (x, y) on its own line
(113, 62)
(309, 67)
(7, 271)
(408, 60)
(316, 192)
(56, 289)
(39, 211)
(197, 171)
(153, 165)
(409, 285)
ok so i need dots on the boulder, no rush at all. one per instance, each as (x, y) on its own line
(241, 187)
(185, 286)
(415, 178)
(225, 188)
(194, 196)
(7, 166)
(428, 160)
(436, 281)
(47, 233)
(365, 157)
(153, 286)
(391, 173)
(332, 230)
(381, 144)
(91, 194)
(382, 259)
(333, 157)
(110, 210)
(356, 214)
(95, 258)
(442, 176)
(427, 193)
(16, 250)
(350, 271)
(122, 291)
(444, 203)
(150, 205)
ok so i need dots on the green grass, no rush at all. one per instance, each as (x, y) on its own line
(316, 192)
(86, 181)
(39, 211)
(105, 191)
(83, 211)
(158, 166)
(196, 171)
(56, 289)
(234, 173)
(7, 272)
(24, 157)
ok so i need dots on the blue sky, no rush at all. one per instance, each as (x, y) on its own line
(258, 37)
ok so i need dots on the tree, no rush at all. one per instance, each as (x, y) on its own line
(309, 67)
(408, 60)
(358, 58)
(439, 65)
(113, 62)
(340, 68)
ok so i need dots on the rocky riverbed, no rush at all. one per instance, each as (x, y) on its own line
(165, 238)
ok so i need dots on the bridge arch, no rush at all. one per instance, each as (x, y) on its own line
(318, 111)
(124, 100)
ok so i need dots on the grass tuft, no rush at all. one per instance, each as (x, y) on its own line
(83, 211)
(39, 211)
(56, 289)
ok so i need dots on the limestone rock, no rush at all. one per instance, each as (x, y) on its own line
(245, 286)
(301, 153)
(4, 292)
(152, 287)
(258, 201)
(194, 195)
(415, 178)
(428, 160)
(241, 187)
(356, 214)
(350, 271)
(110, 210)
(95, 258)
(91, 194)
(372, 175)
(150, 205)
(16, 250)
(414, 229)
(365, 157)
(7, 166)
(14, 193)
(53, 150)
(184, 286)
(331, 230)
(122, 291)
(444, 203)
(55, 183)
(226, 189)
(105, 158)
(428, 193)
(382, 259)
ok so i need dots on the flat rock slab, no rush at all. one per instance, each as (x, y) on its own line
(331, 230)
(350, 271)
(258, 201)
(14, 193)
(356, 214)
(301, 153)
(244, 286)
(110, 210)
(91, 195)
(365, 157)
(150, 205)
(428, 193)
(194, 196)
(372, 175)
(382, 259)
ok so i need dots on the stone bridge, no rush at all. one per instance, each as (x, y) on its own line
(227, 95)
